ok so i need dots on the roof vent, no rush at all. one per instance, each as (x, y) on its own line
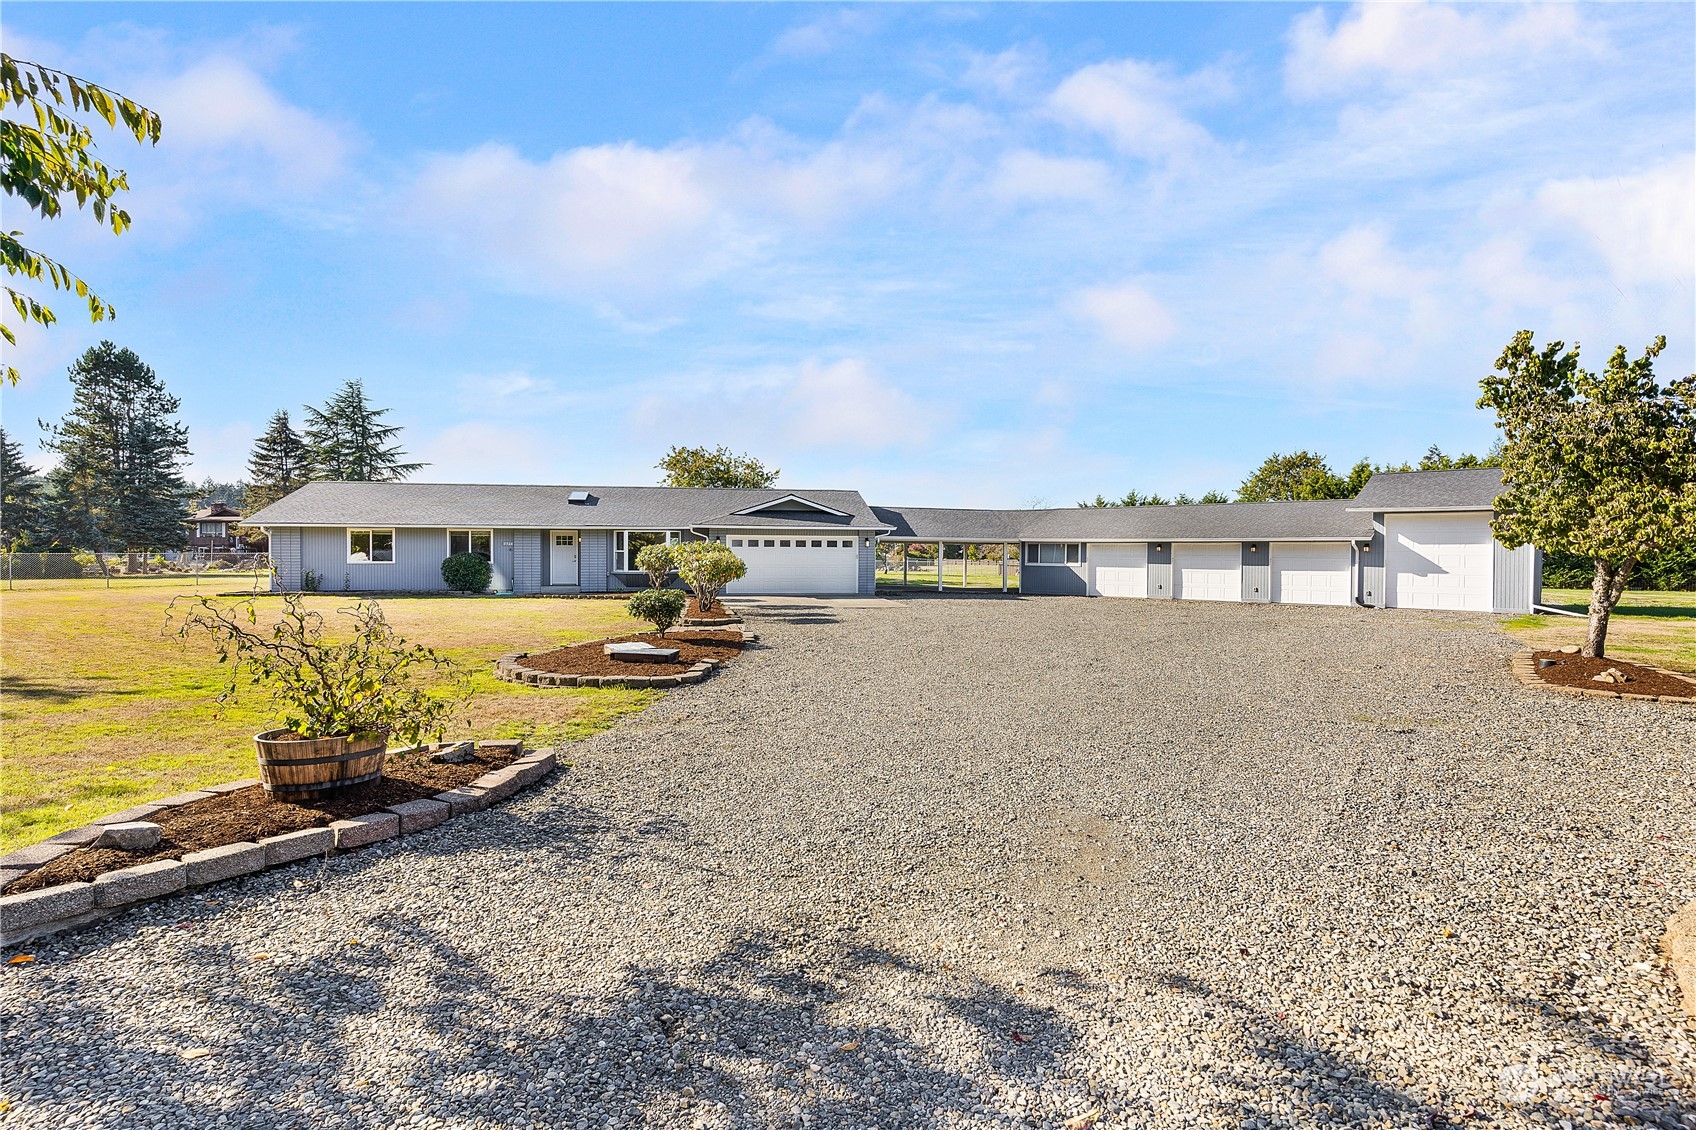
(578, 498)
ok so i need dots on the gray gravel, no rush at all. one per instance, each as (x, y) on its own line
(958, 863)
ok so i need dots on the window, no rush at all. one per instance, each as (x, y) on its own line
(211, 529)
(818, 545)
(371, 546)
(770, 543)
(565, 539)
(784, 543)
(626, 544)
(830, 544)
(737, 542)
(1055, 553)
(472, 541)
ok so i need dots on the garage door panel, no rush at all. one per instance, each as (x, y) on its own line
(1118, 570)
(1439, 561)
(1207, 571)
(1311, 573)
(798, 568)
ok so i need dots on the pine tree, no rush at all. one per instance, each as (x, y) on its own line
(346, 441)
(119, 481)
(20, 497)
(278, 464)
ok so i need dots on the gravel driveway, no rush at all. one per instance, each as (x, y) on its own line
(959, 862)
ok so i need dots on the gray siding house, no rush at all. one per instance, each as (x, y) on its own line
(1418, 539)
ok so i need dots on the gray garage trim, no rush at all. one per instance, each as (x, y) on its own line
(1257, 572)
(1516, 578)
(1371, 583)
(1160, 585)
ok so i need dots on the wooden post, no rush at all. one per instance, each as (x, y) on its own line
(905, 556)
(938, 566)
(1003, 566)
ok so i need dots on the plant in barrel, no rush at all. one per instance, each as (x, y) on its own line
(338, 701)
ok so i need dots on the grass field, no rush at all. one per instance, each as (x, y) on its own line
(983, 574)
(100, 710)
(1650, 627)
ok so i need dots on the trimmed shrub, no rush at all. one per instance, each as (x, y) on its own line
(466, 572)
(660, 607)
(657, 561)
(706, 567)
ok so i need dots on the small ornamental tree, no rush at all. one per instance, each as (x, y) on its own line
(367, 683)
(656, 561)
(706, 567)
(1602, 465)
(466, 572)
(660, 607)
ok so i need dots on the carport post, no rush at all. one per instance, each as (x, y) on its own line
(904, 556)
(938, 566)
(1003, 566)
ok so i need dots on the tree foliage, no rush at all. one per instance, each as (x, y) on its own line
(346, 440)
(660, 607)
(466, 572)
(657, 561)
(119, 482)
(706, 567)
(279, 463)
(1597, 464)
(368, 683)
(46, 157)
(21, 516)
(1300, 476)
(1132, 498)
(719, 467)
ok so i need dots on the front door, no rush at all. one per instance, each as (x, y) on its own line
(562, 558)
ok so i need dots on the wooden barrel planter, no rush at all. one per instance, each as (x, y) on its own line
(293, 766)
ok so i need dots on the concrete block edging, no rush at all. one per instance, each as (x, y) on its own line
(509, 669)
(68, 906)
(1524, 668)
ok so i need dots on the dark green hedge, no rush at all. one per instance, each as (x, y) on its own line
(1672, 570)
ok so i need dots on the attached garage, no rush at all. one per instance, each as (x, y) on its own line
(1438, 561)
(1207, 571)
(1118, 570)
(791, 565)
(1311, 573)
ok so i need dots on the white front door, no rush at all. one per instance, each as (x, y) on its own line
(562, 557)
(1207, 571)
(1118, 570)
(1439, 561)
(1311, 573)
(784, 563)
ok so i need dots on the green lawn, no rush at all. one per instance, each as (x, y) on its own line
(1650, 627)
(982, 575)
(100, 710)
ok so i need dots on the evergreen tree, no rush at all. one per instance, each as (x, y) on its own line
(347, 442)
(119, 481)
(278, 464)
(20, 497)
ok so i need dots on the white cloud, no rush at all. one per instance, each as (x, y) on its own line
(1502, 271)
(1136, 106)
(1023, 174)
(845, 404)
(1643, 225)
(1362, 262)
(1403, 43)
(826, 33)
(1128, 315)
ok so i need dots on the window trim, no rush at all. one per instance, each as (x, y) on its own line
(468, 531)
(369, 559)
(1030, 555)
(621, 547)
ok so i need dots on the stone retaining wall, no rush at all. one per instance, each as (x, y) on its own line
(70, 905)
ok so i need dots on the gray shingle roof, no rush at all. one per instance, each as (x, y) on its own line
(1469, 488)
(1237, 521)
(543, 507)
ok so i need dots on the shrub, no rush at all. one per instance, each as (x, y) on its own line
(366, 684)
(466, 572)
(657, 561)
(310, 581)
(660, 607)
(706, 567)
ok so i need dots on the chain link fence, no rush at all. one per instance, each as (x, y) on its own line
(25, 565)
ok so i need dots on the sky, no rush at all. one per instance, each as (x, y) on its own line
(968, 255)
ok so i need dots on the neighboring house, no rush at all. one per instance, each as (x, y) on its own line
(1418, 539)
(211, 529)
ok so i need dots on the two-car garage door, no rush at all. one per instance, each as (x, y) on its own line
(797, 566)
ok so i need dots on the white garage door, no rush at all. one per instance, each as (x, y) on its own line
(1310, 573)
(787, 564)
(1118, 570)
(1438, 561)
(1207, 572)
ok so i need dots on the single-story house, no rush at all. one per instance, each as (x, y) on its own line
(1417, 539)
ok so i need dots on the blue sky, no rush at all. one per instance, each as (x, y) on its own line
(948, 255)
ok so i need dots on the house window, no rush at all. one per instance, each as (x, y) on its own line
(211, 529)
(471, 541)
(376, 546)
(1054, 553)
(737, 542)
(565, 539)
(626, 544)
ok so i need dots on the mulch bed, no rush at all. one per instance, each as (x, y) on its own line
(251, 814)
(1578, 671)
(692, 611)
(588, 658)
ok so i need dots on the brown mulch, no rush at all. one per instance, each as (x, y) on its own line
(251, 814)
(692, 611)
(588, 659)
(1578, 671)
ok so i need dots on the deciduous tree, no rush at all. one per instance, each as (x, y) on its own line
(720, 467)
(1300, 475)
(1598, 464)
(46, 156)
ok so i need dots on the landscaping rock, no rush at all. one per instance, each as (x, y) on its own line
(456, 754)
(224, 862)
(499, 784)
(19, 914)
(363, 830)
(1680, 946)
(132, 835)
(140, 883)
(1569, 649)
(303, 844)
(417, 815)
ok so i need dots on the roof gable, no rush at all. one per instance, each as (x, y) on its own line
(790, 503)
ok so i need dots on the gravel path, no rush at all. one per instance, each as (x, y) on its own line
(959, 863)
